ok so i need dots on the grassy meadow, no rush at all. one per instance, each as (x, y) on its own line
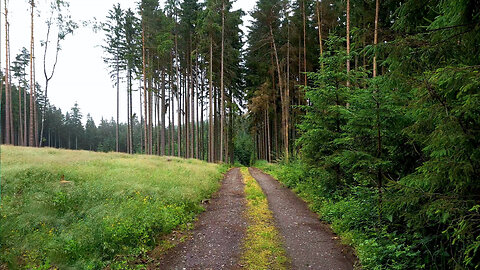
(116, 205)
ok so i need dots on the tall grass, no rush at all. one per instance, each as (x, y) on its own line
(116, 204)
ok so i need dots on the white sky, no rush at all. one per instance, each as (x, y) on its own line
(81, 75)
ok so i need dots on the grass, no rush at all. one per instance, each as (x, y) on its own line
(116, 205)
(262, 246)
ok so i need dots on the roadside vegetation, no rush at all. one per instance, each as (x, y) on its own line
(115, 205)
(262, 246)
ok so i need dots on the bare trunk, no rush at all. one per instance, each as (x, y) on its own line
(118, 102)
(304, 44)
(197, 137)
(348, 41)
(319, 21)
(375, 37)
(222, 90)
(162, 131)
(150, 116)
(20, 121)
(210, 122)
(144, 87)
(141, 115)
(8, 120)
(25, 129)
(280, 82)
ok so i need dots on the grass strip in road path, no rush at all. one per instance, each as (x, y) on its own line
(262, 246)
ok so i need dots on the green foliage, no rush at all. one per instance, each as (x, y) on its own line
(116, 204)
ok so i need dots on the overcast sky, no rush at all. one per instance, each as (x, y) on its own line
(81, 76)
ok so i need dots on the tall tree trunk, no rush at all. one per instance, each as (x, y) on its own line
(141, 116)
(128, 114)
(287, 88)
(118, 101)
(150, 107)
(319, 21)
(379, 131)
(348, 41)
(20, 121)
(202, 127)
(304, 44)
(8, 120)
(171, 113)
(197, 80)
(144, 86)
(130, 111)
(280, 83)
(222, 90)
(163, 107)
(192, 110)
(25, 129)
(210, 122)
(375, 37)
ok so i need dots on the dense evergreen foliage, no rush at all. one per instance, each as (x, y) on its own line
(391, 157)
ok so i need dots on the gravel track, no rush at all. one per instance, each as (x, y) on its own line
(309, 243)
(218, 234)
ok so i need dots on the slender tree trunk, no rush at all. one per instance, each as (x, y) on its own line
(191, 112)
(178, 94)
(118, 102)
(171, 113)
(222, 90)
(141, 116)
(162, 134)
(348, 41)
(375, 37)
(287, 88)
(210, 122)
(130, 111)
(20, 121)
(269, 142)
(25, 129)
(280, 82)
(379, 131)
(202, 127)
(144, 87)
(128, 114)
(150, 116)
(8, 120)
(304, 45)
(319, 21)
(197, 80)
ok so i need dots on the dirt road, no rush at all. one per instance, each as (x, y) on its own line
(218, 234)
(309, 243)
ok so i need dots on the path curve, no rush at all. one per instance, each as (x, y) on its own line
(218, 234)
(309, 243)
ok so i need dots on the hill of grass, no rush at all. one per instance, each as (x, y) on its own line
(116, 204)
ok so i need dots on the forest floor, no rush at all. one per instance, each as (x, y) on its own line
(217, 238)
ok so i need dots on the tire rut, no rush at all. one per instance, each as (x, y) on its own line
(309, 243)
(217, 237)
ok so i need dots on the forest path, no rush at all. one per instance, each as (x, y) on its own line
(309, 243)
(218, 233)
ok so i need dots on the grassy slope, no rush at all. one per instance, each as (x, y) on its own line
(116, 204)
